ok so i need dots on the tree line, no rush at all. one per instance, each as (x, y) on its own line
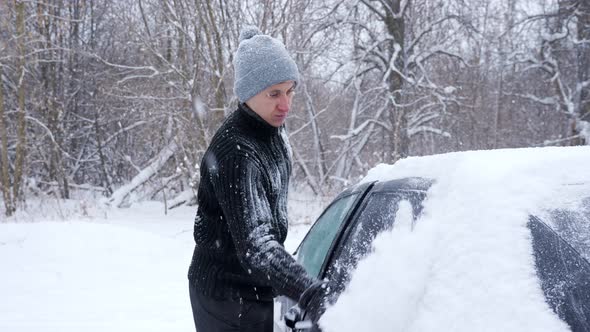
(122, 97)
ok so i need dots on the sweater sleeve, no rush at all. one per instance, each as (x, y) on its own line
(238, 186)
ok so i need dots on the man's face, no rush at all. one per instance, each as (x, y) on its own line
(273, 103)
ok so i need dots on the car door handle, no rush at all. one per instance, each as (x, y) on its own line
(293, 316)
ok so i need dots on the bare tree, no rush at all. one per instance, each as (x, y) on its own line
(123, 99)
(561, 41)
(397, 45)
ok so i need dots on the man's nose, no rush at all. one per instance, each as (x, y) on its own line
(284, 103)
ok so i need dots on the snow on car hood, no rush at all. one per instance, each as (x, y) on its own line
(468, 264)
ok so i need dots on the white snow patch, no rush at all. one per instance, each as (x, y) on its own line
(82, 276)
(450, 89)
(101, 269)
(199, 107)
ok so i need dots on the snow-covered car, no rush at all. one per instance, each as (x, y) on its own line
(473, 241)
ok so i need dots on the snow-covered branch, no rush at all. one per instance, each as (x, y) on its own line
(118, 197)
(361, 128)
(549, 101)
(427, 129)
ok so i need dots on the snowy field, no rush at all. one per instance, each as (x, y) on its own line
(72, 266)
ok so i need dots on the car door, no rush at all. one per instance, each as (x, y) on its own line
(375, 213)
(315, 249)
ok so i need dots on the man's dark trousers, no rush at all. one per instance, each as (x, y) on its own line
(212, 315)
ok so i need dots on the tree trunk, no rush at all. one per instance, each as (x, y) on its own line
(583, 55)
(318, 148)
(106, 183)
(397, 115)
(21, 121)
(216, 52)
(4, 164)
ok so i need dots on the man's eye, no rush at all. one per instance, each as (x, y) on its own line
(274, 94)
(290, 92)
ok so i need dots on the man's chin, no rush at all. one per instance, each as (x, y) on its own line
(277, 122)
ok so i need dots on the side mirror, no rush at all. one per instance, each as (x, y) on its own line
(293, 319)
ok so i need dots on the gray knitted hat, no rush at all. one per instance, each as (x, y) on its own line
(261, 61)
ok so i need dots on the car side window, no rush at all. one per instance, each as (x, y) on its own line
(574, 226)
(564, 274)
(315, 246)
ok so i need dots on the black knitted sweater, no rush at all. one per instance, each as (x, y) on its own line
(241, 221)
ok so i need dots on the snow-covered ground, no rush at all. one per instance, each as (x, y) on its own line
(73, 266)
(468, 263)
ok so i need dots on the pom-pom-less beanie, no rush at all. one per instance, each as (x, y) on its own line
(261, 61)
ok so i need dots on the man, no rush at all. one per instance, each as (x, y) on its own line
(239, 262)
